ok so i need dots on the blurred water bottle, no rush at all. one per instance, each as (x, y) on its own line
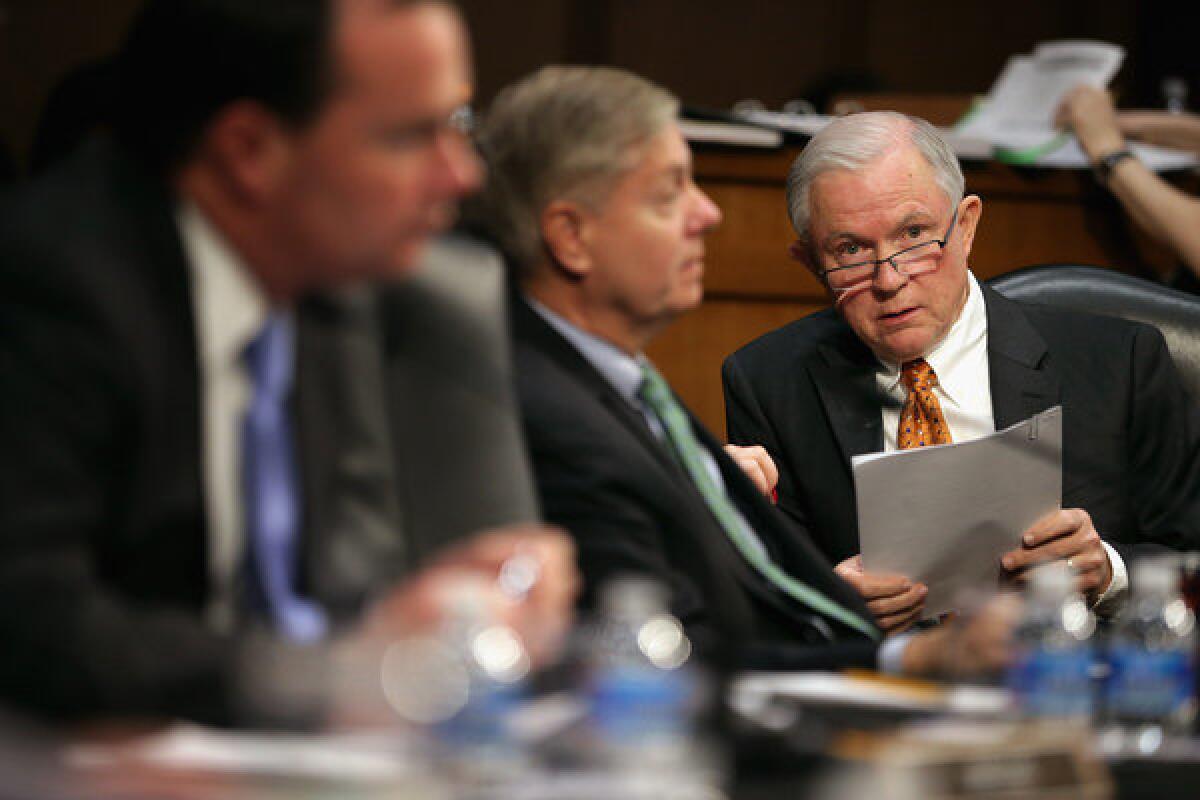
(1051, 669)
(1151, 654)
(643, 693)
(1175, 91)
(483, 670)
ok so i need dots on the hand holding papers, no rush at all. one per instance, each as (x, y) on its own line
(945, 515)
(1018, 115)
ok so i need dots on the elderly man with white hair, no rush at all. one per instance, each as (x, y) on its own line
(915, 352)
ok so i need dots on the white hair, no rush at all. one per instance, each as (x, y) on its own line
(855, 141)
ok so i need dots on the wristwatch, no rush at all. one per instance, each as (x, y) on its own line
(1104, 165)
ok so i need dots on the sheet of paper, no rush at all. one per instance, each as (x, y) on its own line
(1031, 87)
(711, 132)
(369, 757)
(1017, 116)
(808, 124)
(944, 515)
(753, 693)
(1064, 152)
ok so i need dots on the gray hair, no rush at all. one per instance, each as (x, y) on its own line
(562, 132)
(854, 141)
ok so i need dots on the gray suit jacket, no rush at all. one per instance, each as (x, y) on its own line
(460, 453)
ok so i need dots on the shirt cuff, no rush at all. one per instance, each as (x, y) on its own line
(891, 653)
(1112, 599)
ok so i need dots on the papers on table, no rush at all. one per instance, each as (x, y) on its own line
(805, 124)
(1030, 88)
(944, 515)
(808, 124)
(1017, 116)
(716, 132)
(754, 693)
(336, 757)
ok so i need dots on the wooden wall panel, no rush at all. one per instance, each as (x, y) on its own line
(748, 253)
(690, 352)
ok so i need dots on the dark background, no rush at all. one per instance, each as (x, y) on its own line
(710, 52)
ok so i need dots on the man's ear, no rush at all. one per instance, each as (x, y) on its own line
(563, 225)
(249, 148)
(968, 219)
(801, 251)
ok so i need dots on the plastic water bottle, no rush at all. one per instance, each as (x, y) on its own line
(641, 689)
(480, 675)
(1051, 670)
(1151, 655)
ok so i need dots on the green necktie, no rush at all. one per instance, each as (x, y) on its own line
(655, 393)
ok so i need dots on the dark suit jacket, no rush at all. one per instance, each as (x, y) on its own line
(630, 507)
(1131, 436)
(103, 530)
(461, 461)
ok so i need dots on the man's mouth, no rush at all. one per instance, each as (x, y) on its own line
(900, 315)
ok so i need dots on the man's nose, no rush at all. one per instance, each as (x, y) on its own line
(706, 214)
(461, 168)
(888, 277)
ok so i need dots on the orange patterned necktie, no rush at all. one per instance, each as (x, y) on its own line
(921, 421)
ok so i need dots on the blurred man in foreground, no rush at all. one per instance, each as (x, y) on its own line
(916, 352)
(591, 193)
(198, 490)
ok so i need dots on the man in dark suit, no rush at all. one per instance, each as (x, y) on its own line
(199, 495)
(877, 202)
(591, 193)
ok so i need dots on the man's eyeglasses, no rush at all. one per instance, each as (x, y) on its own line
(909, 262)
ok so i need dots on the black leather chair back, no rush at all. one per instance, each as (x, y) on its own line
(1104, 291)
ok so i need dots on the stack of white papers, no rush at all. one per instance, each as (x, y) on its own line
(945, 514)
(1017, 116)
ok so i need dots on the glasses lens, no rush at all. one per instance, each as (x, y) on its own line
(920, 259)
(849, 277)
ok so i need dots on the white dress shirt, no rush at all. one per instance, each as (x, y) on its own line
(229, 308)
(964, 392)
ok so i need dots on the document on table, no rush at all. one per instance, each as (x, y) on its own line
(1017, 116)
(944, 515)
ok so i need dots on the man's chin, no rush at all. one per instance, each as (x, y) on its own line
(904, 346)
(689, 298)
(406, 260)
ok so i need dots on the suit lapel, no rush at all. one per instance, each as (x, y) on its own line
(1022, 384)
(789, 547)
(530, 326)
(844, 375)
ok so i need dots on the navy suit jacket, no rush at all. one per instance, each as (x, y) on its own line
(630, 506)
(1131, 434)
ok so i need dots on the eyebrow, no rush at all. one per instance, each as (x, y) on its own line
(912, 218)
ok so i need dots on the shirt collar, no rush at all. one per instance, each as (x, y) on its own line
(951, 357)
(230, 306)
(621, 370)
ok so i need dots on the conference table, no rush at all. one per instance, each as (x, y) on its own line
(787, 748)
(1030, 216)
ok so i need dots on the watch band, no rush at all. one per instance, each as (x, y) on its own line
(1104, 165)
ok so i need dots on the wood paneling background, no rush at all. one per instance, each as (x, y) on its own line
(710, 52)
(715, 52)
